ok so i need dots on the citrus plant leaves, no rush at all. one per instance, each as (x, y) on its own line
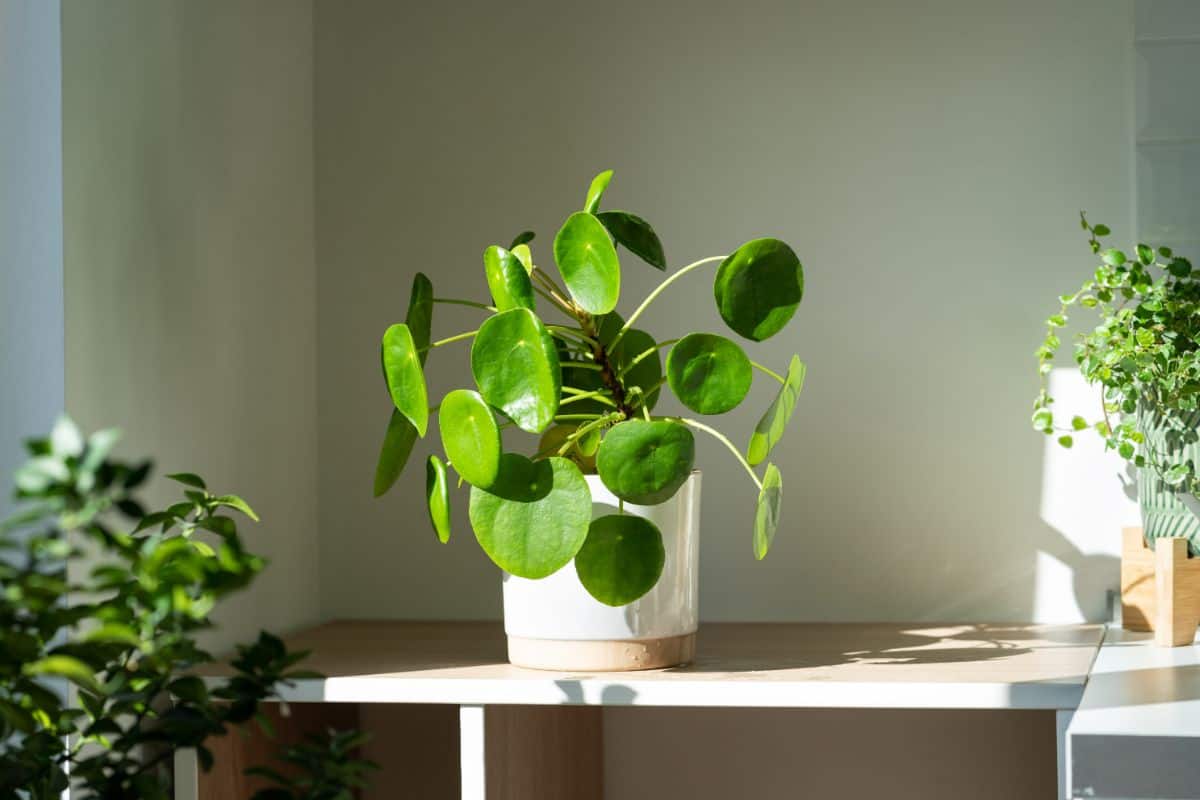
(758, 288)
(708, 373)
(771, 427)
(635, 235)
(437, 495)
(646, 462)
(405, 378)
(621, 559)
(588, 263)
(508, 279)
(516, 367)
(535, 517)
(470, 436)
(766, 514)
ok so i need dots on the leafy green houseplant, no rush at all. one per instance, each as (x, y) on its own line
(1144, 357)
(556, 360)
(125, 635)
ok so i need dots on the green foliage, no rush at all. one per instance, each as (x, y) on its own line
(588, 382)
(124, 635)
(1144, 351)
(470, 437)
(405, 379)
(532, 521)
(322, 767)
(708, 373)
(621, 559)
(646, 461)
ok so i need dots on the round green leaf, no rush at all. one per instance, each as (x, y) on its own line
(437, 493)
(645, 462)
(393, 454)
(507, 279)
(420, 314)
(766, 515)
(770, 428)
(470, 436)
(647, 372)
(516, 367)
(405, 378)
(621, 559)
(635, 234)
(708, 373)
(758, 288)
(588, 263)
(596, 191)
(534, 518)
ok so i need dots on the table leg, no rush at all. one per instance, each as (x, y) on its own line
(1063, 720)
(473, 759)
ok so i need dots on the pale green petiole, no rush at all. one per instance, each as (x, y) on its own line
(768, 371)
(659, 290)
(700, 426)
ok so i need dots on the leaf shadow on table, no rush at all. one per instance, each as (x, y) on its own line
(753, 649)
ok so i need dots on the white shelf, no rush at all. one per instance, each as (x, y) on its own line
(1137, 730)
(805, 665)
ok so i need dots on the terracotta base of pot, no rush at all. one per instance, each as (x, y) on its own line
(566, 655)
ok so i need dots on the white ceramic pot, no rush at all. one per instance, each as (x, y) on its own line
(554, 623)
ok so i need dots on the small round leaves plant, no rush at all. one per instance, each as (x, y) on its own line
(1143, 355)
(553, 357)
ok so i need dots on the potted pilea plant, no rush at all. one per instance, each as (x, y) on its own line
(609, 486)
(1144, 356)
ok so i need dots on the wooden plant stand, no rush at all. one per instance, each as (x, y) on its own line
(1160, 589)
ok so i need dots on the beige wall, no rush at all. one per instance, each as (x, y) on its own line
(190, 273)
(926, 159)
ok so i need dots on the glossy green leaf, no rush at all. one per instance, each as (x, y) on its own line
(236, 503)
(708, 373)
(63, 666)
(771, 427)
(507, 279)
(522, 238)
(635, 234)
(405, 378)
(525, 256)
(470, 436)
(188, 479)
(515, 364)
(645, 462)
(588, 263)
(535, 517)
(621, 559)
(419, 318)
(596, 191)
(393, 453)
(437, 496)
(758, 288)
(766, 515)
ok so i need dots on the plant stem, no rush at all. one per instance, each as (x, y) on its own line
(576, 417)
(659, 290)
(456, 302)
(583, 430)
(599, 395)
(579, 365)
(449, 339)
(555, 301)
(768, 371)
(700, 426)
(579, 335)
(646, 354)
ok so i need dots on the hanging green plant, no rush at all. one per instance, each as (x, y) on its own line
(587, 381)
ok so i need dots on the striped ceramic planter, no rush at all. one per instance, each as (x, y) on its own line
(1172, 437)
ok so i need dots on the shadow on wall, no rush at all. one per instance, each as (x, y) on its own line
(1087, 496)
